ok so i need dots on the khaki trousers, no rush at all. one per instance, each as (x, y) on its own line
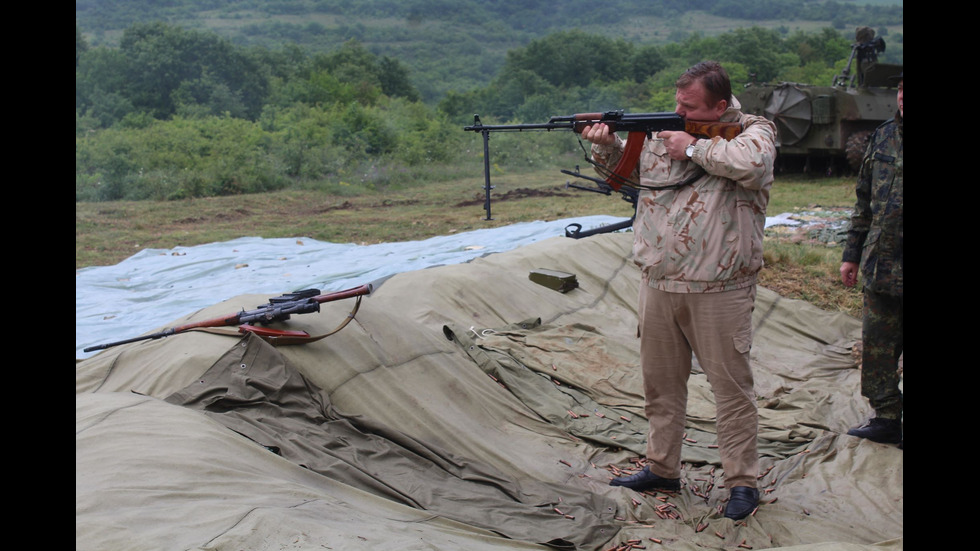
(717, 328)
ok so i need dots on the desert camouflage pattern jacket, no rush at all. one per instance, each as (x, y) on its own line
(706, 236)
(875, 235)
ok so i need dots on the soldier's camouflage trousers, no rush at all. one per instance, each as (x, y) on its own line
(883, 333)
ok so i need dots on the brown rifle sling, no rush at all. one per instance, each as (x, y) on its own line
(279, 337)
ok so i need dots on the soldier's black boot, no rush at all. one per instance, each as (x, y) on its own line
(645, 480)
(885, 431)
(742, 501)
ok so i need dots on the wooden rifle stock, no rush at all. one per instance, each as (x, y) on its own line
(717, 129)
(278, 309)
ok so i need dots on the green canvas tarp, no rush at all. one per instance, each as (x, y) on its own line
(467, 407)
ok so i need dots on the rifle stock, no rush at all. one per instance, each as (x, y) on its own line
(278, 309)
(717, 129)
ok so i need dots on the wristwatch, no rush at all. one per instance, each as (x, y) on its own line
(689, 151)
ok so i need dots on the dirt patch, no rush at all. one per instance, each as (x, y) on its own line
(349, 205)
(514, 195)
(392, 203)
(346, 205)
(234, 214)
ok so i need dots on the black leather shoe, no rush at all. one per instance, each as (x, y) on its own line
(645, 480)
(885, 431)
(743, 501)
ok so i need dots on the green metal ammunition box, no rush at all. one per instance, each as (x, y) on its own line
(562, 282)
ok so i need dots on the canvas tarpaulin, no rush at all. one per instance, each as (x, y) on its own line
(153, 285)
(440, 419)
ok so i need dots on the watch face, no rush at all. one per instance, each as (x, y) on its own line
(690, 150)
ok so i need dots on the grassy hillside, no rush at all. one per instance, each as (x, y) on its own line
(461, 44)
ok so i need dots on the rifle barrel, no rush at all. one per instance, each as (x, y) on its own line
(159, 335)
(520, 127)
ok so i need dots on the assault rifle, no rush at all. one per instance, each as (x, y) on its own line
(278, 309)
(639, 126)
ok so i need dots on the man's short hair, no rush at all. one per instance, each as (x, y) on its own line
(713, 77)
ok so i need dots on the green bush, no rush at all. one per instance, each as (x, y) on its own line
(173, 159)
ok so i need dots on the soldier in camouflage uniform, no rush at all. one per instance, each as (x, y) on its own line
(874, 242)
(698, 240)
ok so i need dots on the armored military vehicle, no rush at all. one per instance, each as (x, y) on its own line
(825, 129)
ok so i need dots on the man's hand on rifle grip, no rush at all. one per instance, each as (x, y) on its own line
(676, 143)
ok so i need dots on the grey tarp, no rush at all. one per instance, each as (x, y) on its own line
(151, 474)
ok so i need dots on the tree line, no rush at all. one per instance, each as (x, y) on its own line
(461, 44)
(174, 113)
(102, 15)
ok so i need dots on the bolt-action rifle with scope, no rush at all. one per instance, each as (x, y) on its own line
(280, 308)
